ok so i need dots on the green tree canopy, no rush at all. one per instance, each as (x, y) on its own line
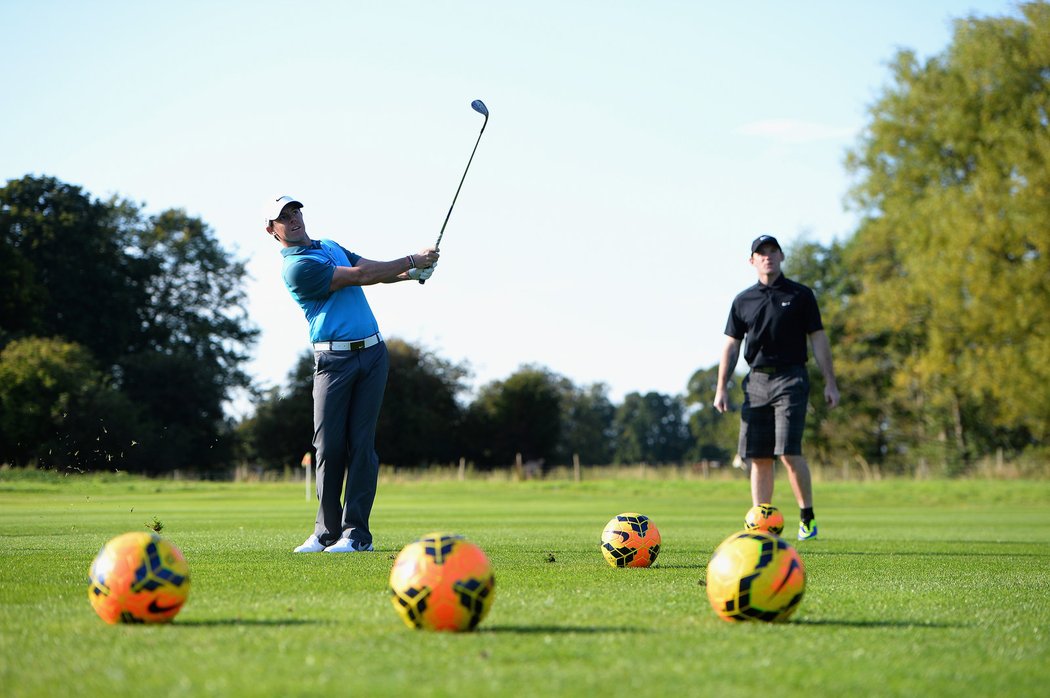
(714, 435)
(281, 429)
(586, 424)
(651, 428)
(58, 410)
(420, 422)
(863, 428)
(521, 414)
(953, 254)
(67, 261)
(156, 302)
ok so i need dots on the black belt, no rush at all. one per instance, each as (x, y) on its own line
(771, 370)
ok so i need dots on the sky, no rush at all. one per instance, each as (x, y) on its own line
(633, 151)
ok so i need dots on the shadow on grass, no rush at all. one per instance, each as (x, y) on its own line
(268, 622)
(559, 629)
(917, 553)
(909, 624)
(685, 566)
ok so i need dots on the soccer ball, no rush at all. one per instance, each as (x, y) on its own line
(138, 578)
(755, 575)
(630, 540)
(442, 582)
(764, 517)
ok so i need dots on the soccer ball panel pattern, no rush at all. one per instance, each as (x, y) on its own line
(442, 582)
(755, 575)
(764, 517)
(630, 540)
(138, 577)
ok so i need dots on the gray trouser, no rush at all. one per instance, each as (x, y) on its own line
(348, 391)
(773, 416)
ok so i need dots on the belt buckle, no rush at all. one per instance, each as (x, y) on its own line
(356, 345)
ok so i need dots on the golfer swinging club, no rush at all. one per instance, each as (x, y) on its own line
(350, 369)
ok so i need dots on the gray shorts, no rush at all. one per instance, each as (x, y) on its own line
(773, 416)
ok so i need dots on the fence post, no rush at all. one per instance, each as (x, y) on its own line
(462, 468)
(576, 467)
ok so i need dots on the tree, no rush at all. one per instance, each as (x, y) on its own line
(281, 429)
(714, 434)
(519, 415)
(67, 261)
(586, 424)
(421, 419)
(864, 426)
(156, 302)
(954, 172)
(419, 424)
(192, 341)
(57, 409)
(651, 429)
(196, 298)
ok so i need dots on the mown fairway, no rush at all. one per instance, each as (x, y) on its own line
(915, 589)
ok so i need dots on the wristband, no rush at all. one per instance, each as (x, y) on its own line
(411, 262)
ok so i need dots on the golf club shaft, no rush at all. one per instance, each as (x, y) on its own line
(461, 180)
(441, 234)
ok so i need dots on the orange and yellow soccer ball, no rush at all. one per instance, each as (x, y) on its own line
(630, 540)
(138, 578)
(442, 582)
(755, 575)
(764, 517)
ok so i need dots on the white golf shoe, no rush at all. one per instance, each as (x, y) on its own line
(346, 544)
(310, 545)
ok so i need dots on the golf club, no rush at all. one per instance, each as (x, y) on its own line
(478, 106)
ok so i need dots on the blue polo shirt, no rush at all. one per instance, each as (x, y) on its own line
(338, 316)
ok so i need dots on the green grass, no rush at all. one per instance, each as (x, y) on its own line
(916, 588)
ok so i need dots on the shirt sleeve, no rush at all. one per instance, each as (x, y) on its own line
(308, 278)
(735, 325)
(354, 258)
(811, 319)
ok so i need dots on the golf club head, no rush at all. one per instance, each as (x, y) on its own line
(479, 106)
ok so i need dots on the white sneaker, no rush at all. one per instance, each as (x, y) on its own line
(349, 545)
(310, 545)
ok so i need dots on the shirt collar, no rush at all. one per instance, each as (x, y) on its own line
(300, 249)
(779, 282)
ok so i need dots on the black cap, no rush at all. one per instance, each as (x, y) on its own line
(764, 240)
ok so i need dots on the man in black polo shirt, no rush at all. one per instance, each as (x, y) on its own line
(776, 315)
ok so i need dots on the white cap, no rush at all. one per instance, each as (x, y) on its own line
(274, 206)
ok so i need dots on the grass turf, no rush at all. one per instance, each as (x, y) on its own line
(915, 588)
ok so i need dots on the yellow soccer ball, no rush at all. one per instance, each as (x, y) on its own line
(755, 575)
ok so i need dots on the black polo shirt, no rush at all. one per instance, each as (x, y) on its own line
(776, 320)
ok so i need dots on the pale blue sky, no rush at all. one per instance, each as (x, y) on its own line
(633, 152)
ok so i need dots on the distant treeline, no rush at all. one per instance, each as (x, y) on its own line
(536, 414)
(122, 334)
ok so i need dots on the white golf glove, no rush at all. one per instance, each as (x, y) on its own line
(417, 274)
